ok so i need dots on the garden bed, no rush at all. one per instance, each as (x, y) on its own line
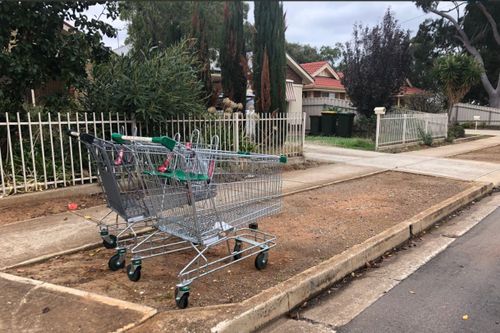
(490, 154)
(314, 226)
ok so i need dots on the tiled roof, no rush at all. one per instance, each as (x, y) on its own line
(412, 91)
(312, 67)
(327, 82)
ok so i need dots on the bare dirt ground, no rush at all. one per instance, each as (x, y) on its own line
(29, 210)
(491, 154)
(313, 227)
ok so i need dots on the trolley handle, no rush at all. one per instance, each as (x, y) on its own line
(163, 140)
(82, 136)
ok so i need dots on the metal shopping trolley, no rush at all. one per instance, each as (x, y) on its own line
(209, 199)
(122, 185)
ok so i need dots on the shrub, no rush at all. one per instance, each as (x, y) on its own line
(426, 138)
(456, 131)
(365, 126)
(152, 87)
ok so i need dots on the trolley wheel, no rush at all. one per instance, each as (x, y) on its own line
(237, 248)
(135, 275)
(111, 245)
(183, 301)
(253, 226)
(114, 262)
(261, 260)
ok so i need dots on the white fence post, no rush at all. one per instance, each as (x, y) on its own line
(404, 128)
(378, 111)
(426, 125)
(236, 131)
(304, 117)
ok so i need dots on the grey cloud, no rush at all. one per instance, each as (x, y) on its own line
(321, 22)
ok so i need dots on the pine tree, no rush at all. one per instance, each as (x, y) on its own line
(270, 44)
(200, 46)
(232, 53)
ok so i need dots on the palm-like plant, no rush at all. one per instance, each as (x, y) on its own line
(456, 73)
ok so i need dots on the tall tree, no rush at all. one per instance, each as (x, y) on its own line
(456, 74)
(473, 22)
(331, 54)
(35, 47)
(200, 48)
(232, 53)
(269, 47)
(160, 24)
(303, 53)
(376, 63)
(433, 39)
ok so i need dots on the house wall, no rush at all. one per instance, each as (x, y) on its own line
(292, 75)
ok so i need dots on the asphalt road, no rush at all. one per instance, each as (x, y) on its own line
(463, 280)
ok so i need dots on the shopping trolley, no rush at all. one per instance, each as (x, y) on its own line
(121, 183)
(207, 198)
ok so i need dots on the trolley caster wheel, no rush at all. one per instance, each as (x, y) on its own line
(237, 248)
(253, 226)
(133, 275)
(115, 263)
(109, 245)
(181, 298)
(261, 260)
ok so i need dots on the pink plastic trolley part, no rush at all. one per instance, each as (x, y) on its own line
(119, 158)
(166, 163)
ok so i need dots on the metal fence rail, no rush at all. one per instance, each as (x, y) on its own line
(464, 113)
(400, 129)
(36, 154)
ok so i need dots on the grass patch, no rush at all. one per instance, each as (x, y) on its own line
(353, 143)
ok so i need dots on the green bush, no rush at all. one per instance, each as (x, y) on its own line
(456, 131)
(426, 138)
(158, 85)
(365, 126)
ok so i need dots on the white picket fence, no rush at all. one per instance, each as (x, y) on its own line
(313, 106)
(464, 113)
(404, 128)
(36, 154)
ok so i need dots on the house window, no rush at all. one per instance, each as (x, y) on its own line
(317, 94)
(341, 95)
(332, 95)
(325, 94)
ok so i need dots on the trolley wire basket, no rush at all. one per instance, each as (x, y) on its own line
(207, 198)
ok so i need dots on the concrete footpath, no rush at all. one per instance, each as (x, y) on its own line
(35, 306)
(430, 161)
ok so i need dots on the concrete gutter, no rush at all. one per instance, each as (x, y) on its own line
(282, 298)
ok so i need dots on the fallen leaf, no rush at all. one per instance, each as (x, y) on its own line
(465, 317)
(88, 217)
(412, 292)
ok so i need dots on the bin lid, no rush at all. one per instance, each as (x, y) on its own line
(329, 112)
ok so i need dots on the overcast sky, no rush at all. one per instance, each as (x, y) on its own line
(321, 22)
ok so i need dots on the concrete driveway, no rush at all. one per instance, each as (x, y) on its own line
(431, 161)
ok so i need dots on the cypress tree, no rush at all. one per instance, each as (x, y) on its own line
(200, 46)
(232, 53)
(270, 44)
